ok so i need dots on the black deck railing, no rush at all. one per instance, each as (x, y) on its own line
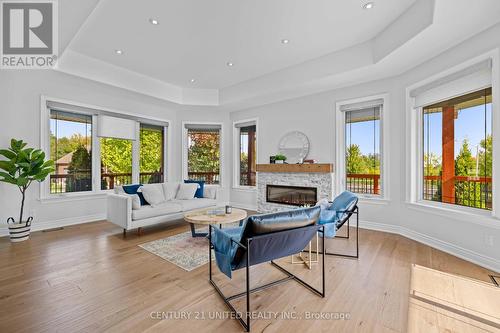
(82, 181)
(469, 191)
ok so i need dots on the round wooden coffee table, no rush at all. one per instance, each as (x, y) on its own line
(201, 217)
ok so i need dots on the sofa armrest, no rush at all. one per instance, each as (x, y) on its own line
(120, 210)
(210, 191)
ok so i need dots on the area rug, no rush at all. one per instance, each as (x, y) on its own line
(182, 250)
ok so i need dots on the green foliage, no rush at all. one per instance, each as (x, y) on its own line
(356, 162)
(151, 155)
(63, 146)
(432, 165)
(280, 157)
(465, 164)
(486, 157)
(116, 155)
(23, 166)
(81, 162)
(243, 162)
(80, 168)
(203, 152)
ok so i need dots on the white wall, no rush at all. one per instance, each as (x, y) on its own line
(20, 93)
(209, 115)
(314, 115)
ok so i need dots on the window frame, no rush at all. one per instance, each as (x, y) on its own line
(414, 142)
(137, 151)
(237, 150)
(340, 147)
(185, 148)
(94, 111)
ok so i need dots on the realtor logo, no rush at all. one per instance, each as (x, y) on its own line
(29, 34)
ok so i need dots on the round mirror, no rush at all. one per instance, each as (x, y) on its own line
(295, 146)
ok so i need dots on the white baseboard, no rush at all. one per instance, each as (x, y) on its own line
(457, 251)
(474, 257)
(44, 225)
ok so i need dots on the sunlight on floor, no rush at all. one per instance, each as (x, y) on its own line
(443, 302)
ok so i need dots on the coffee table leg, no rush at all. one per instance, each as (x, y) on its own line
(197, 234)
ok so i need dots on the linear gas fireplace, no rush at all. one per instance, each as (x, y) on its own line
(291, 195)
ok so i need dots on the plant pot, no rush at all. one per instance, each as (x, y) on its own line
(19, 232)
(279, 161)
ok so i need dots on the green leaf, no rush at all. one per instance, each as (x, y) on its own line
(36, 154)
(41, 176)
(8, 166)
(22, 181)
(48, 163)
(9, 180)
(7, 153)
(5, 175)
(24, 165)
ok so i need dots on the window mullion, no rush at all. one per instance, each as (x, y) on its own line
(136, 145)
(96, 160)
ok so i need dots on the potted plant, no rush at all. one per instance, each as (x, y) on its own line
(280, 158)
(22, 167)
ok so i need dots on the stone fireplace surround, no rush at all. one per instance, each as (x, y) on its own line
(322, 180)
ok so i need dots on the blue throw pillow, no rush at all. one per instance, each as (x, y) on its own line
(201, 187)
(132, 189)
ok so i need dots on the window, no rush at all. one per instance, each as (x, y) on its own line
(151, 154)
(80, 140)
(116, 162)
(362, 150)
(457, 150)
(203, 152)
(246, 150)
(71, 150)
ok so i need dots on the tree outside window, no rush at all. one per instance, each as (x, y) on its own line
(204, 154)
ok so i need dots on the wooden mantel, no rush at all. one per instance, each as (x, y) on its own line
(317, 167)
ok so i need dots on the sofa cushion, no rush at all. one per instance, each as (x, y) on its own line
(133, 189)
(195, 203)
(201, 186)
(159, 210)
(170, 190)
(186, 191)
(153, 193)
(210, 191)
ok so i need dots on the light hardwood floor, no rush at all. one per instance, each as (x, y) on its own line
(89, 278)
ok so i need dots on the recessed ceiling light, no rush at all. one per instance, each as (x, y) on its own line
(285, 41)
(368, 5)
(153, 21)
(192, 80)
(119, 52)
(229, 64)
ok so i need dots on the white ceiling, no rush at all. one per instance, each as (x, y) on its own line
(196, 38)
(333, 43)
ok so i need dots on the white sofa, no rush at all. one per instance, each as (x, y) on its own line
(120, 208)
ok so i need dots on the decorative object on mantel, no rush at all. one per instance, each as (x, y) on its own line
(295, 146)
(22, 167)
(272, 159)
(311, 161)
(280, 158)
